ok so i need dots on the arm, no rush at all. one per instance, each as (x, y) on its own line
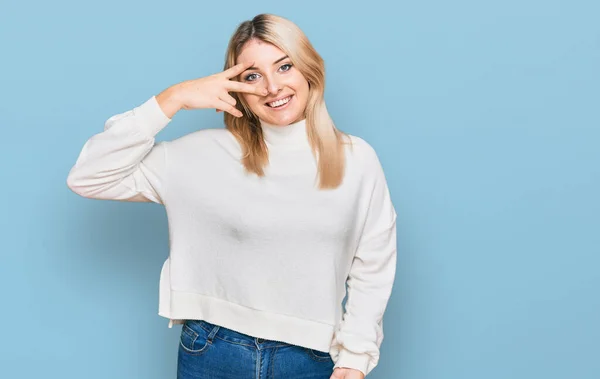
(123, 162)
(359, 336)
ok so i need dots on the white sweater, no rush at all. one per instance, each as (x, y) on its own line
(269, 256)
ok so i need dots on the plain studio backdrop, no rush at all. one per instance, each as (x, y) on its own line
(486, 118)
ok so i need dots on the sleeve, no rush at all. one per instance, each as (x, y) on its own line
(358, 337)
(123, 162)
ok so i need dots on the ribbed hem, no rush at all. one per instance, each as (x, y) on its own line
(152, 118)
(253, 322)
(348, 359)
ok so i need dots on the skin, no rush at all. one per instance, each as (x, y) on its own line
(280, 77)
(347, 373)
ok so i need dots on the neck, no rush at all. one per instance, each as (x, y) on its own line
(293, 134)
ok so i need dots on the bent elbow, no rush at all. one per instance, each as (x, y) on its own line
(76, 183)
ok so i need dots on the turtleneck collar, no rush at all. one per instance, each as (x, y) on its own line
(288, 135)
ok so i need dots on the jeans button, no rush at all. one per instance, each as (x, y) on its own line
(260, 340)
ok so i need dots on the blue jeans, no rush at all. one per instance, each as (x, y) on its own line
(209, 351)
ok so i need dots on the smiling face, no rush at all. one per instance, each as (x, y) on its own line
(273, 70)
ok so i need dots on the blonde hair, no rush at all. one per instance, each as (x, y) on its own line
(326, 140)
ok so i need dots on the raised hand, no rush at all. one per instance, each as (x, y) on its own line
(213, 91)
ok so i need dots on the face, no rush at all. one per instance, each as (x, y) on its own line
(273, 70)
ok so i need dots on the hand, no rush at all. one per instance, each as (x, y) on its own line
(213, 91)
(347, 373)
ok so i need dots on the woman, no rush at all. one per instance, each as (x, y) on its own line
(269, 218)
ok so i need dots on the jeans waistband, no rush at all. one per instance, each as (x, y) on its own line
(234, 336)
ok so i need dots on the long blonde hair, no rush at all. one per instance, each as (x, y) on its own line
(326, 140)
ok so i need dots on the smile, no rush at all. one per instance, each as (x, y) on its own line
(279, 103)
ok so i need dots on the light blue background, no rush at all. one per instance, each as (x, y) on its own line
(485, 116)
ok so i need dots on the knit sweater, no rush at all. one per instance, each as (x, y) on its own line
(266, 256)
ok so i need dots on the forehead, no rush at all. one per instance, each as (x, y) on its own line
(262, 53)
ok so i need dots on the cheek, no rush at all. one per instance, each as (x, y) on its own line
(302, 86)
(303, 90)
(251, 101)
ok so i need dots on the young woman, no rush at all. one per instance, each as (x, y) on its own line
(269, 217)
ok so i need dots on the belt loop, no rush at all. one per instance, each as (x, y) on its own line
(212, 333)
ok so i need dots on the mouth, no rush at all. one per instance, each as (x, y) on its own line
(280, 103)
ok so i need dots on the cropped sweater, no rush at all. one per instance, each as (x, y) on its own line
(272, 256)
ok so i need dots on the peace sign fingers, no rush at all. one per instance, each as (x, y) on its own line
(234, 71)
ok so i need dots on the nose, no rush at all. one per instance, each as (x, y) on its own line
(273, 86)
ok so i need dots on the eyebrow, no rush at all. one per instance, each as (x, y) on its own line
(277, 61)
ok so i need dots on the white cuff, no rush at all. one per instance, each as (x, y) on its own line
(152, 117)
(348, 359)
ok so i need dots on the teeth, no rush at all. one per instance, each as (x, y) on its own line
(279, 102)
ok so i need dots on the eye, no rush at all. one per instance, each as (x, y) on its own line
(250, 77)
(287, 66)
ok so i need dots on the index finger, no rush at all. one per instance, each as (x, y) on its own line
(244, 87)
(237, 69)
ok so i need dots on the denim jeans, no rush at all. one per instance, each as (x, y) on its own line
(209, 351)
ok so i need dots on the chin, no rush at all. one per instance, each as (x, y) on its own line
(282, 119)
